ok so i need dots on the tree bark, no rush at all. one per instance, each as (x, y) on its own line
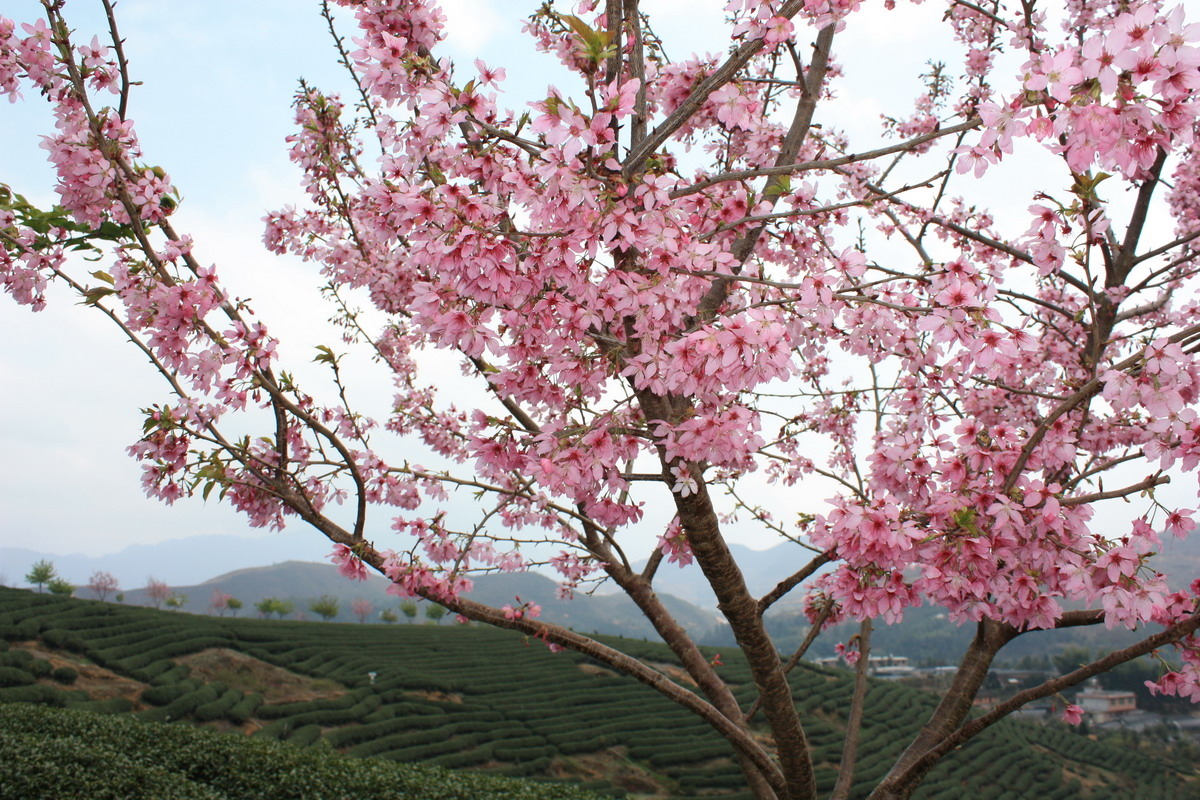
(956, 703)
(741, 609)
(697, 666)
(845, 779)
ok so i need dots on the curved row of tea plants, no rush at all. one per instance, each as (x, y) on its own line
(487, 699)
(69, 755)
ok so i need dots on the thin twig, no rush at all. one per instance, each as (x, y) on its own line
(122, 62)
(829, 163)
(845, 779)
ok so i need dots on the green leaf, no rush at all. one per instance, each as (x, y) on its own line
(595, 43)
(581, 28)
(112, 232)
(325, 356)
(95, 294)
(781, 185)
(965, 519)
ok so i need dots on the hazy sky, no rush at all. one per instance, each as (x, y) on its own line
(213, 110)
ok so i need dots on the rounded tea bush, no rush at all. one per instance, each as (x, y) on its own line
(14, 676)
(65, 675)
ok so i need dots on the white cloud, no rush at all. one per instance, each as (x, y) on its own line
(472, 25)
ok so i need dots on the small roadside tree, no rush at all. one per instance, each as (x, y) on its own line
(388, 616)
(682, 284)
(409, 609)
(434, 613)
(101, 583)
(41, 573)
(61, 587)
(175, 601)
(235, 605)
(326, 607)
(266, 606)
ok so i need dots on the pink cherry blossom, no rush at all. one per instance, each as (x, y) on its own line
(1056, 73)
(674, 293)
(348, 564)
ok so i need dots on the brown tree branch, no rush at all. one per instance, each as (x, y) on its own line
(788, 168)
(1158, 251)
(1140, 486)
(845, 779)
(122, 61)
(697, 666)
(956, 703)
(700, 93)
(550, 633)
(1137, 222)
(900, 784)
(794, 580)
(720, 569)
(637, 70)
(814, 630)
(793, 140)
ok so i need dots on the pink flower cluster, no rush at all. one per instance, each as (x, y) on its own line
(653, 329)
(1110, 102)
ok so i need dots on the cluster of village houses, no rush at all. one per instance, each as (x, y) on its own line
(1101, 707)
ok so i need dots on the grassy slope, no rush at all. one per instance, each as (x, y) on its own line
(485, 699)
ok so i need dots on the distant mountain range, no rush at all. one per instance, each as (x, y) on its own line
(195, 560)
(928, 636)
(184, 561)
(187, 565)
(762, 570)
(302, 582)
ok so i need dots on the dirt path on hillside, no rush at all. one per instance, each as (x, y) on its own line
(240, 671)
(98, 682)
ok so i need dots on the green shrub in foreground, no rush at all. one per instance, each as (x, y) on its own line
(55, 754)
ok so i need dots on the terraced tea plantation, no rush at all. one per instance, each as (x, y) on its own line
(488, 700)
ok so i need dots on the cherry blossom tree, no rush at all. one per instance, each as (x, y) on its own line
(157, 592)
(101, 583)
(679, 286)
(362, 609)
(219, 601)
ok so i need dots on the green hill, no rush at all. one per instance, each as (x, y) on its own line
(302, 581)
(489, 700)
